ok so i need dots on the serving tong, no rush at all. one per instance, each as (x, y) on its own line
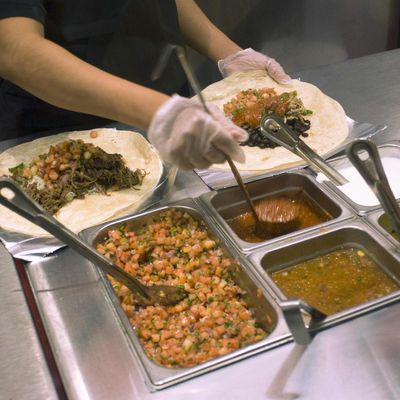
(276, 130)
(23, 205)
(365, 157)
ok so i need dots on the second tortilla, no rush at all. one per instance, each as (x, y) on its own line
(328, 130)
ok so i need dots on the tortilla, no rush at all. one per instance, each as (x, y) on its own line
(328, 122)
(94, 208)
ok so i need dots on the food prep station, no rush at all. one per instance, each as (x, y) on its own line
(92, 352)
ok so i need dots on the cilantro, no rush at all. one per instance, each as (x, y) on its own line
(149, 257)
(122, 228)
(17, 169)
(284, 97)
(189, 302)
(237, 110)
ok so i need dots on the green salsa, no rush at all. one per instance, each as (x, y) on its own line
(335, 281)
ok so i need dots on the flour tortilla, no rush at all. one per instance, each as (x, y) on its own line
(328, 122)
(94, 208)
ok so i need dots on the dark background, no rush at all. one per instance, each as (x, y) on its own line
(302, 34)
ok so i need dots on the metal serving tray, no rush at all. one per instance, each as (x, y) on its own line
(227, 203)
(375, 219)
(264, 309)
(353, 233)
(390, 149)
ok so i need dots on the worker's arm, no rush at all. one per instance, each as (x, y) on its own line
(53, 74)
(207, 39)
(201, 34)
(179, 128)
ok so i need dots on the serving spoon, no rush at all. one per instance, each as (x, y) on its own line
(18, 201)
(265, 223)
(365, 157)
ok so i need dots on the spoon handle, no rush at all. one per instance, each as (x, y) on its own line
(365, 157)
(242, 186)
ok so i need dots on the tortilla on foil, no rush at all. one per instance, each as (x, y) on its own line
(328, 121)
(94, 208)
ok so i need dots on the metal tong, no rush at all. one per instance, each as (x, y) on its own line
(365, 157)
(276, 130)
(23, 205)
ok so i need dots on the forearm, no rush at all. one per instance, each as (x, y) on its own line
(53, 74)
(201, 34)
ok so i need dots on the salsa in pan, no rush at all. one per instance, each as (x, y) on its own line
(298, 204)
(176, 249)
(335, 281)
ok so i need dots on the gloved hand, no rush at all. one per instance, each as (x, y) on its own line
(186, 135)
(249, 59)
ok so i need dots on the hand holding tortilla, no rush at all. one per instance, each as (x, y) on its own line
(247, 60)
(310, 113)
(84, 179)
(187, 136)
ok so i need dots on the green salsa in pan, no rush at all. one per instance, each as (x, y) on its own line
(335, 281)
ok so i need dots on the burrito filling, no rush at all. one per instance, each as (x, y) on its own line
(72, 169)
(248, 106)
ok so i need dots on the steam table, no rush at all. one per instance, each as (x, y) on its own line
(358, 359)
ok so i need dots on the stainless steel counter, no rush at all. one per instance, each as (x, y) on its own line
(23, 369)
(357, 359)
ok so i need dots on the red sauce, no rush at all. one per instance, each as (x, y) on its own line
(306, 213)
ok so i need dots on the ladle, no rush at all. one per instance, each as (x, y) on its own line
(23, 205)
(278, 215)
(264, 225)
(365, 157)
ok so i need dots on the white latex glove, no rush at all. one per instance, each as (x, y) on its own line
(187, 136)
(248, 59)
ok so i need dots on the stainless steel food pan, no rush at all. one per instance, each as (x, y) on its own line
(353, 233)
(357, 193)
(264, 309)
(379, 220)
(227, 203)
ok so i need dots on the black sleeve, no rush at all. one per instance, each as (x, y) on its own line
(23, 8)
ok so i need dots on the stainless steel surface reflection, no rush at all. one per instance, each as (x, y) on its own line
(19, 344)
(88, 343)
